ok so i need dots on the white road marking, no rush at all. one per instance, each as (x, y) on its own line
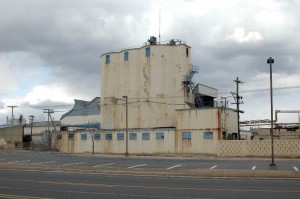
(213, 167)
(101, 165)
(75, 163)
(296, 169)
(253, 168)
(140, 165)
(178, 165)
(20, 161)
(45, 162)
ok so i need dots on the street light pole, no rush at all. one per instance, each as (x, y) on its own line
(31, 122)
(126, 139)
(12, 114)
(272, 165)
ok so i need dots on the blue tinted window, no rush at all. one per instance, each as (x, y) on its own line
(208, 135)
(107, 59)
(146, 136)
(108, 136)
(147, 52)
(97, 136)
(186, 135)
(132, 136)
(126, 56)
(83, 136)
(71, 136)
(160, 136)
(120, 136)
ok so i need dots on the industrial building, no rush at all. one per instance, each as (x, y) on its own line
(83, 114)
(148, 94)
(150, 104)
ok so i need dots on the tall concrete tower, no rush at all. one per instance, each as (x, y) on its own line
(151, 77)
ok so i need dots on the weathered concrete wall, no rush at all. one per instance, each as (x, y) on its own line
(12, 133)
(259, 148)
(197, 144)
(38, 129)
(5, 145)
(138, 146)
(11, 137)
(153, 85)
(174, 143)
(70, 120)
(229, 121)
(207, 119)
(198, 131)
(199, 122)
(171, 143)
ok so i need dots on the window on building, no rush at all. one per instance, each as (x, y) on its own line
(108, 136)
(146, 136)
(59, 136)
(126, 56)
(187, 51)
(120, 136)
(97, 136)
(71, 136)
(160, 136)
(147, 52)
(186, 135)
(132, 136)
(83, 136)
(208, 135)
(107, 59)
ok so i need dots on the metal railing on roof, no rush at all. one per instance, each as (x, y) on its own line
(172, 42)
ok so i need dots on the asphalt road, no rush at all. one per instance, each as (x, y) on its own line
(41, 184)
(168, 163)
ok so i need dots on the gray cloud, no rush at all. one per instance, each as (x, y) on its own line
(2, 105)
(69, 37)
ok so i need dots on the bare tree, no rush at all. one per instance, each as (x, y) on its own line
(20, 119)
(92, 133)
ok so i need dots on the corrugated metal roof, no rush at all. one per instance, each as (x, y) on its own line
(84, 108)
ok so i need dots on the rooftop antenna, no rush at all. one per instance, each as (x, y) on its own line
(159, 26)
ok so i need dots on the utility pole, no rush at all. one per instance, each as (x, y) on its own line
(49, 111)
(12, 114)
(31, 117)
(238, 97)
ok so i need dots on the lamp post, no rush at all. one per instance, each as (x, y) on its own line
(272, 165)
(12, 114)
(126, 139)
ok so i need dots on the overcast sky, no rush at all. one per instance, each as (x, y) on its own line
(50, 49)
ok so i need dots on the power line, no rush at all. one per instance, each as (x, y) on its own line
(261, 89)
(267, 89)
(55, 106)
(266, 77)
